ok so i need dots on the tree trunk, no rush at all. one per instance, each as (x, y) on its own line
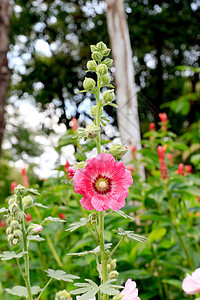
(4, 72)
(127, 113)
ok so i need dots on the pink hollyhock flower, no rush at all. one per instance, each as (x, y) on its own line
(130, 292)
(38, 228)
(71, 171)
(191, 283)
(25, 178)
(103, 183)
(152, 126)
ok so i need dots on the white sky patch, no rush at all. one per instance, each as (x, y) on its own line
(41, 46)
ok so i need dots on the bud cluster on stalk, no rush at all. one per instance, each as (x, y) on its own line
(111, 266)
(63, 295)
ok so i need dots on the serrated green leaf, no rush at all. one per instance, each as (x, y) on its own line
(123, 214)
(35, 238)
(40, 205)
(51, 219)
(108, 288)
(61, 275)
(7, 255)
(89, 289)
(33, 191)
(74, 226)
(131, 235)
(21, 291)
(94, 251)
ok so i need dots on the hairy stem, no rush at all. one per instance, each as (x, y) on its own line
(44, 288)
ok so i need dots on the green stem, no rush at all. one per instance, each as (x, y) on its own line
(111, 253)
(20, 268)
(26, 256)
(44, 288)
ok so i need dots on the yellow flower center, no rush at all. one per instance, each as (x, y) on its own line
(102, 184)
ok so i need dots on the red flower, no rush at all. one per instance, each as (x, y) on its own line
(198, 199)
(61, 216)
(71, 171)
(188, 169)
(13, 186)
(3, 224)
(152, 126)
(74, 124)
(28, 217)
(163, 117)
(25, 178)
(180, 169)
(67, 165)
(163, 166)
(133, 149)
(130, 168)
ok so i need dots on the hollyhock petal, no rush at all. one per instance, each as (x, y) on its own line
(190, 285)
(86, 203)
(130, 292)
(100, 203)
(71, 171)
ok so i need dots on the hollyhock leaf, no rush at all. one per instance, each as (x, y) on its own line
(21, 291)
(76, 225)
(51, 219)
(61, 275)
(131, 235)
(94, 251)
(3, 209)
(108, 288)
(124, 215)
(35, 238)
(33, 191)
(88, 289)
(40, 205)
(7, 255)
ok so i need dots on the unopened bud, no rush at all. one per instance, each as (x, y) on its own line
(92, 131)
(108, 62)
(93, 48)
(12, 200)
(15, 241)
(113, 263)
(105, 80)
(93, 216)
(106, 52)
(89, 83)
(17, 233)
(108, 267)
(94, 110)
(14, 224)
(108, 95)
(13, 207)
(9, 230)
(97, 56)
(63, 295)
(102, 69)
(20, 190)
(107, 252)
(118, 151)
(34, 228)
(80, 165)
(94, 222)
(91, 65)
(101, 46)
(19, 215)
(27, 202)
(10, 237)
(114, 274)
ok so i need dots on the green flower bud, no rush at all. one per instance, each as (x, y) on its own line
(10, 218)
(94, 110)
(108, 62)
(17, 233)
(118, 151)
(92, 131)
(63, 295)
(20, 190)
(80, 165)
(93, 216)
(14, 224)
(113, 263)
(93, 48)
(113, 274)
(10, 237)
(102, 69)
(19, 215)
(105, 80)
(109, 267)
(34, 229)
(15, 241)
(106, 52)
(107, 252)
(27, 202)
(89, 83)
(97, 56)
(91, 65)
(101, 46)
(13, 199)
(108, 95)
(9, 230)
(13, 207)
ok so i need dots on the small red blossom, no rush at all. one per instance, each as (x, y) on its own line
(74, 125)
(71, 171)
(61, 216)
(103, 183)
(188, 169)
(133, 149)
(28, 217)
(13, 186)
(180, 169)
(130, 168)
(44, 179)
(198, 199)
(163, 166)
(163, 117)
(26, 183)
(67, 165)
(2, 223)
(152, 126)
